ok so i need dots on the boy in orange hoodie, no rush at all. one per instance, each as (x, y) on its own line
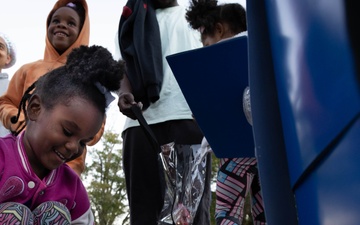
(67, 27)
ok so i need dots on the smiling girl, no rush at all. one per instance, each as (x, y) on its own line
(67, 28)
(64, 110)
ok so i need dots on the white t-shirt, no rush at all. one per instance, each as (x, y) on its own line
(176, 36)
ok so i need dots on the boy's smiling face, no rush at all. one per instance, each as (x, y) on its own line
(64, 28)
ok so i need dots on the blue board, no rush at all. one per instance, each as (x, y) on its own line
(212, 80)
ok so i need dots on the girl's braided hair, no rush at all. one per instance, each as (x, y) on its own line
(205, 14)
(86, 69)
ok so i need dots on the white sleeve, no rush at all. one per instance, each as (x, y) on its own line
(86, 219)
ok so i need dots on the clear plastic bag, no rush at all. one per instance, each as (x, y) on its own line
(185, 171)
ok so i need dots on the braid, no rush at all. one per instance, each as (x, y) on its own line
(22, 106)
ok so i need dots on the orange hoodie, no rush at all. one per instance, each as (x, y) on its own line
(29, 73)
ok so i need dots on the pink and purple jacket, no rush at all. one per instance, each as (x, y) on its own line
(18, 183)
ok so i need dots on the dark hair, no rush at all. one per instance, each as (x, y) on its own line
(86, 68)
(206, 13)
(79, 9)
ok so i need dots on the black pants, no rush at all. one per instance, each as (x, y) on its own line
(143, 183)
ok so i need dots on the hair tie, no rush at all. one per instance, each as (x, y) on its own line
(71, 5)
(108, 96)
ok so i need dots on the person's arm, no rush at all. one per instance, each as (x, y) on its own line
(87, 218)
(10, 100)
(81, 213)
(126, 98)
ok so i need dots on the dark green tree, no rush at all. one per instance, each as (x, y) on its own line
(106, 188)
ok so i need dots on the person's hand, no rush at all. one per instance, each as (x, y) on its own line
(126, 100)
(182, 215)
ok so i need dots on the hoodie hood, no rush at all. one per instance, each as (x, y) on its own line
(27, 74)
(83, 39)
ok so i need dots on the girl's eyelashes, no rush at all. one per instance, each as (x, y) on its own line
(67, 133)
(55, 21)
(2, 47)
(71, 24)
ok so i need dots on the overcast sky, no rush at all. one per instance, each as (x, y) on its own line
(24, 21)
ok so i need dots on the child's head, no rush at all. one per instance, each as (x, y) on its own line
(67, 106)
(64, 25)
(216, 22)
(7, 52)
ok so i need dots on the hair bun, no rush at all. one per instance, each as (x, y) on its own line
(198, 13)
(88, 60)
(90, 64)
